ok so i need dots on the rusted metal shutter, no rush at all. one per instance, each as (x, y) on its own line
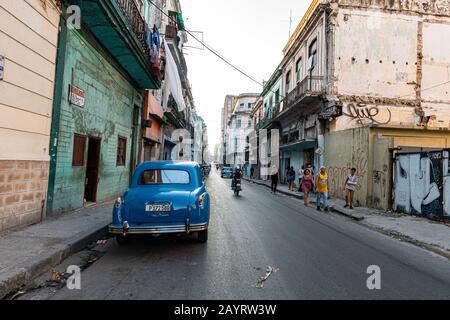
(79, 144)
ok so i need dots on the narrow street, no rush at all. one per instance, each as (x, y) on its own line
(319, 256)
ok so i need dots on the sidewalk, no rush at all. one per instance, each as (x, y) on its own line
(434, 236)
(31, 251)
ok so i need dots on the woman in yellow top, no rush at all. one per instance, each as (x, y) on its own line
(322, 187)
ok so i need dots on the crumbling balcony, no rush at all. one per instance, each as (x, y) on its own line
(305, 93)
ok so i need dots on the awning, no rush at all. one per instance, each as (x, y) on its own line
(172, 83)
(299, 146)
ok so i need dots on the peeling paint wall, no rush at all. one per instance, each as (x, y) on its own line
(107, 114)
(344, 150)
(395, 69)
(439, 7)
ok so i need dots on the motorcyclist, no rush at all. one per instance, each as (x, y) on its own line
(236, 175)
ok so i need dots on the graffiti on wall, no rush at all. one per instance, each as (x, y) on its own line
(365, 115)
(338, 174)
(422, 180)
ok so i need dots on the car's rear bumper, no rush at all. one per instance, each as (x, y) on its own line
(117, 229)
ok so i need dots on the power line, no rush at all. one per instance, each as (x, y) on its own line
(209, 48)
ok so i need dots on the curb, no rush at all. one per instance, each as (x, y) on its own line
(38, 265)
(343, 213)
(433, 248)
(423, 245)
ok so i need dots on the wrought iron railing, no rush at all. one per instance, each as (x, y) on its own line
(136, 21)
(309, 85)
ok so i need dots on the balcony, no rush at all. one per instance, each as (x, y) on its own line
(306, 92)
(119, 26)
(265, 123)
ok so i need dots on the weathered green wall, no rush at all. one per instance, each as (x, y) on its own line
(344, 150)
(108, 113)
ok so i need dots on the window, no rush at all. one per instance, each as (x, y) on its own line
(238, 124)
(79, 144)
(277, 96)
(312, 53)
(121, 151)
(158, 176)
(250, 105)
(288, 81)
(299, 69)
(249, 124)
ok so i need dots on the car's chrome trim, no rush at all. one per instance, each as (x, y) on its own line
(160, 229)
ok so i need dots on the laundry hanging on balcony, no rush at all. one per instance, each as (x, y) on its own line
(172, 83)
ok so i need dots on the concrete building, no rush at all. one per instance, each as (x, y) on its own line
(239, 126)
(303, 86)
(362, 79)
(28, 48)
(102, 72)
(172, 107)
(225, 117)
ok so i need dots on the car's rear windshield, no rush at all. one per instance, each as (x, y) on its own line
(165, 176)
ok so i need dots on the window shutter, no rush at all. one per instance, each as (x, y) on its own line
(79, 144)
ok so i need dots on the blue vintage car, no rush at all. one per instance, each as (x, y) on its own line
(164, 197)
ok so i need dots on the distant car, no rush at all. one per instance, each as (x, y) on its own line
(164, 197)
(227, 172)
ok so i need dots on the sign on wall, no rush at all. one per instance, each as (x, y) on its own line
(76, 96)
(2, 66)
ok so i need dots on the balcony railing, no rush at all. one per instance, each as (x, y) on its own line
(137, 22)
(310, 86)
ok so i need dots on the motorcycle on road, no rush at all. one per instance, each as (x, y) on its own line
(236, 186)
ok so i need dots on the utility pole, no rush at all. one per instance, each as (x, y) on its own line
(290, 22)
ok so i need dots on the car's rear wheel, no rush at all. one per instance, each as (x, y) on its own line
(202, 236)
(122, 240)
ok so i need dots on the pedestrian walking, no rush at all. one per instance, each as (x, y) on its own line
(274, 179)
(306, 185)
(252, 171)
(291, 179)
(350, 187)
(322, 187)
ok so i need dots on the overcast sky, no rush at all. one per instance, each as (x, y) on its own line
(250, 33)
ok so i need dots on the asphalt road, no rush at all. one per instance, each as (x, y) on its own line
(319, 256)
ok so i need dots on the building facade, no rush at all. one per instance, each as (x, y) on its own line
(239, 127)
(102, 71)
(363, 81)
(28, 50)
(225, 117)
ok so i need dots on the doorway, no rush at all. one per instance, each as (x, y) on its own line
(92, 170)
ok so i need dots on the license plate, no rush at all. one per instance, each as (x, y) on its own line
(238, 185)
(158, 207)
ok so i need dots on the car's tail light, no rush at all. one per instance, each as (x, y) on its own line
(201, 199)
